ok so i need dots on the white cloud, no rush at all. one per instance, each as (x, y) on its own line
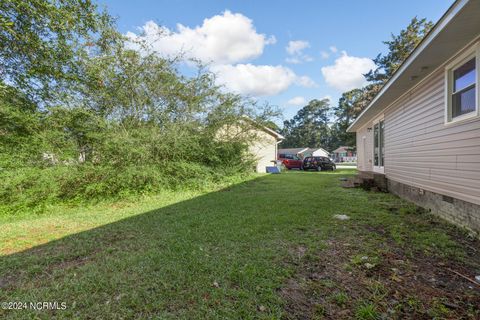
(271, 40)
(221, 39)
(225, 42)
(305, 81)
(262, 80)
(296, 47)
(298, 60)
(293, 60)
(324, 54)
(307, 58)
(254, 80)
(333, 49)
(295, 50)
(347, 72)
(297, 101)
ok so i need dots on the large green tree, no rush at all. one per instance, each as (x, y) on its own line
(344, 114)
(40, 42)
(399, 48)
(309, 127)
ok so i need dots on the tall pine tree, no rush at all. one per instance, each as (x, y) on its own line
(309, 127)
(399, 48)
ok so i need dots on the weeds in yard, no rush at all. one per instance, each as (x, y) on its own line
(319, 311)
(365, 261)
(327, 283)
(392, 257)
(438, 310)
(437, 243)
(414, 304)
(340, 298)
(367, 311)
(378, 292)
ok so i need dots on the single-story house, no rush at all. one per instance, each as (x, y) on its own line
(304, 152)
(263, 141)
(344, 154)
(265, 148)
(420, 135)
(316, 152)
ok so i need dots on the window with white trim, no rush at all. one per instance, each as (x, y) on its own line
(464, 85)
(378, 144)
(462, 92)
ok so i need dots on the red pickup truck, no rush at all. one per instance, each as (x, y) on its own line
(291, 161)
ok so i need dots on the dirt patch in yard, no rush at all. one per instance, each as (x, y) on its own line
(343, 280)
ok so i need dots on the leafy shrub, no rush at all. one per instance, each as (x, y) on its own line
(32, 189)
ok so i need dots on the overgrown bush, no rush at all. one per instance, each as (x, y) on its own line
(31, 189)
(75, 156)
(110, 119)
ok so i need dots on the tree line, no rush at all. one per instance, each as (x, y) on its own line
(321, 124)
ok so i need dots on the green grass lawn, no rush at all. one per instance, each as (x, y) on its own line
(265, 248)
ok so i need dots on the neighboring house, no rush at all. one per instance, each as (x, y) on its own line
(292, 151)
(265, 147)
(263, 141)
(344, 154)
(316, 152)
(421, 134)
(304, 152)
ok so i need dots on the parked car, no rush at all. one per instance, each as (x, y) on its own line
(318, 163)
(291, 161)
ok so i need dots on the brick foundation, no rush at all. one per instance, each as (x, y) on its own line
(459, 212)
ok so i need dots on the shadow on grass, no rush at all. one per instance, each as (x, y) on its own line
(217, 255)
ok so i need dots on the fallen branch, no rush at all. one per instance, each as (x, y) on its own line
(464, 277)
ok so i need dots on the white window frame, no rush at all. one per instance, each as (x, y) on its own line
(379, 169)
(473, 52)
(364, 154)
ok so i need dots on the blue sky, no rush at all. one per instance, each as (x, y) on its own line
(283, 52)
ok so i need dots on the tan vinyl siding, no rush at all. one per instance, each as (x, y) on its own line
(422, 151)
(264, 149)
(262, 145)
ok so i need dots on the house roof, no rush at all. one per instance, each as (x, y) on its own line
(299, 150)
(292, 150)
(342, 149)
(315, 149)
(275, 134)
(456, 29)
